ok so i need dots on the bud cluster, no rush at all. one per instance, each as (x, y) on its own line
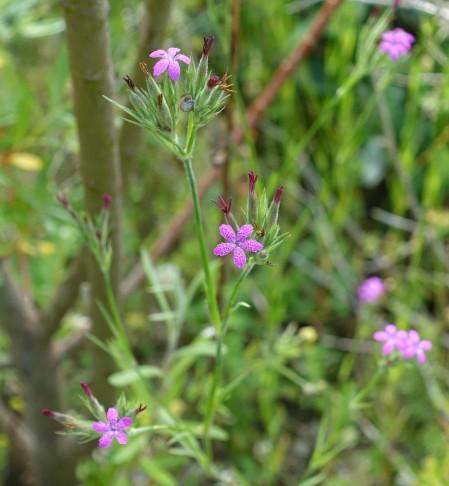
(261, 215)
(95, 233)
(159, 106)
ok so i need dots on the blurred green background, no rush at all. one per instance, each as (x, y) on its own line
(365, 194)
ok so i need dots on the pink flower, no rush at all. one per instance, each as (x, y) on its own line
(396, 43)
(113, 429)
(392, 338)
(413, 346)
(169, 60)
(238, 244)
(371, 290)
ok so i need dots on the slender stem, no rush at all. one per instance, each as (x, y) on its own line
(210, 288)
(368, 387)
(212, 401)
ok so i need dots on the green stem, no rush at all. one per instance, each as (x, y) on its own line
(212, 400)
(368, 387)
(209, 284)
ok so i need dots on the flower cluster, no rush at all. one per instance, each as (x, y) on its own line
(396, 43)
(159, 105)
(371, 290)
(113, 427)
(408, 343)
(261, 219)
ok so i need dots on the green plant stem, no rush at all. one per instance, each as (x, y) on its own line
(368, 387)
(209, 284)
(212, 400)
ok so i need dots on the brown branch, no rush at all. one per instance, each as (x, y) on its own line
(253, 116)
(287, 67)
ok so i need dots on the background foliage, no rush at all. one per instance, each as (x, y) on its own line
(366, 195)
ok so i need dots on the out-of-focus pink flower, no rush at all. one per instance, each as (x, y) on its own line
(371, 290)
(396, 42)
(392, 338)
(169, 61)
(414, 346)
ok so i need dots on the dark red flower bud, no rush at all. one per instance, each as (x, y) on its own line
(48, 412)
(252, 179)
(62, 198)
(278, 195)
(107, 198)
(86, 389)
(207, 46)
(213, 82)
(223, 205)
(140, 409)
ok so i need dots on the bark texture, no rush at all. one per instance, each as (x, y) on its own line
(91, 71)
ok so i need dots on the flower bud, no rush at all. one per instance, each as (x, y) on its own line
(252, 206)
(95, 406)
(213, 82)
(273, 210)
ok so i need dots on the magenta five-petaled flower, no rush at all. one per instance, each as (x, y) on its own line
(396, 42)
(409, 344)
(371, 290)
(237, 243)
(112, 429)
(169, 61)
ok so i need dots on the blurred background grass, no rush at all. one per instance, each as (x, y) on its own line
(366, 196)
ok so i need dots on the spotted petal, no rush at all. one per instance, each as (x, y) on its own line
(227, 232)
(159, 53)
(121, 437)
(181, 57)
(172, 51)
(174, 70)
(223, 249)
(124, 423)
(160, 67)
(244, 232)
(101, 427)
(239, 257)
(106, 440)
(251, 245)
(112, 415)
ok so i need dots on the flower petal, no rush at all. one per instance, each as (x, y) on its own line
(121, 437)
(174, 70)
(181, 57)
(101, 427)
(223, 249)
(420, 356)
(380, 336)
(251, 245)
(239, 257)
(159, 53)
(388, 347)
(244, 232)
(106, 440)
(425, 345)
(172, 51)
(124, 423)
(227, 232)
(112, 415)
(160, 67)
